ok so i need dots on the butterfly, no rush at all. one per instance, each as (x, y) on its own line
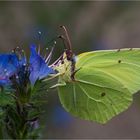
(98, 85)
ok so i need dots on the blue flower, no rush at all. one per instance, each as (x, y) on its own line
(38, 67)
(16, 66)
(8, 67)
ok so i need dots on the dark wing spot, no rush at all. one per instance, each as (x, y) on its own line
(119, 61)
(103, 94)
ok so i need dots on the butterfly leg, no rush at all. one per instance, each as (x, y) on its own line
(62, 83)
(73, 74)
(52, 77)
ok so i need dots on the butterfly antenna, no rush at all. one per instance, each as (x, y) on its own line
(63, 40)
(69, 46)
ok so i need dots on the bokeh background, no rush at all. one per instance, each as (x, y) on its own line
(92, 25)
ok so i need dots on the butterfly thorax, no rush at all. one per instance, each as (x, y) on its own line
(65, 68)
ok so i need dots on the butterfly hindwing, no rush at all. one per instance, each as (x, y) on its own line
(104, 84)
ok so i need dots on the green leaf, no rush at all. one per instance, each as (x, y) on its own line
(6, 98)
(103, 86)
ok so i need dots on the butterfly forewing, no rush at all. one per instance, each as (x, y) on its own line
(103, 85)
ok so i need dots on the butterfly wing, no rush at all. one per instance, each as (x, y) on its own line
(104, 84)
(122, 66)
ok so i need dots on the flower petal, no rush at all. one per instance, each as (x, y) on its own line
(39, 69)
(8, 66)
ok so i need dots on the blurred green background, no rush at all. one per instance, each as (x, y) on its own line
(92, 25)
